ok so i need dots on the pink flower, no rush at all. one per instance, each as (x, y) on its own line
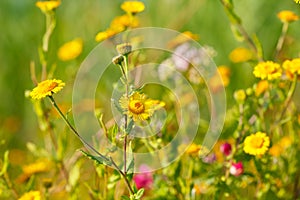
(226, 149)
(236, 169)
(144, 179)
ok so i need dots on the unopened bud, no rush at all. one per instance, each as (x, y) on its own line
(117, 60)
(124, 48)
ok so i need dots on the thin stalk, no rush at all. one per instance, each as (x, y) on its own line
(123, 175)
(281, 39)
(9, 184)
(73, 129)
(289, 97)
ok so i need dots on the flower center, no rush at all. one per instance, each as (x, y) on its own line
(257, 142)
(136, 106)
(46, 87)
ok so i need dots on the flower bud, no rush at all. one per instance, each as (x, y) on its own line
(117, 60)
(236, 169)
(239, 96)
(226, 149)
(124, 48)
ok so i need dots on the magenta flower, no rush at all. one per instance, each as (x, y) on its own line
(226, 149)
(145, 178)
(236, 169)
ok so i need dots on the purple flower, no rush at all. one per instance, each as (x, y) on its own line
(209, 159)
(236, 169)
(226, 149)
(145, 178)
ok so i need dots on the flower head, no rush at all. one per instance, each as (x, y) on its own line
(32, 195)
(133, 7)
(139, 107)
(70, 50)
(236, 169)
(287, 16)
(226, 149)
(240, 96)
(37, 167)
(261, 87)
(193, 149)
(297, 1)
(292, 67)
(108, 33)
(144, 179)
(257, 144)
(124, 21)
(46, 88)
(278, 148)
(267, 70)
(47, 6)
(240, 54)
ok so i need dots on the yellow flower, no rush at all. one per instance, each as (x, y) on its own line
(108, 33)
(193, 149)
(124, 21)
(182, 38)
(292, 66)
(47, 6)
(46, 88)
(297, 1)
(32, 195)
(239, 96)
(139, 107)
(133, 7)
(70, 50)
(261, 87)
(240, 54)
(225, 74)
(267, 70)
(37, 167)
(278, 148)
(287, 16)
(256, 144)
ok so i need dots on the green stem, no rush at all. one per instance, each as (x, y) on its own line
(289, 97)
(73, 129)
(281, 39)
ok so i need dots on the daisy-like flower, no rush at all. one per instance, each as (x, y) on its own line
(70, 50)
(32, 195)
(257, 144)
(267, 70)
(297, 1)
(287, 16)
(261, 87)
(47, 6)
(139, 107)
(292, 66)
(240, 54)
(133, 7)
(46, 88)
(124, 21)
(108, 33)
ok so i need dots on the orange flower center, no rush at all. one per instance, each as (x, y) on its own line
(46, 87)
(257, 142)
(136, 107)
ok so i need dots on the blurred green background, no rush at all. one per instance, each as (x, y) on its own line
(22, 26)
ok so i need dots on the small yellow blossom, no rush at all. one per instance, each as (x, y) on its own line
(240, 54)
(239, 95)
(103, 35)
(70, 50)
(32, 195)
(37, 167)
(287, 16)
(257, 144)
(278, 148)
(182, 38)
(193, 149)
(139, 107)
(47, 6)
(267, 70)
(261, 87)
(46, 88)
(133, 7)
(225, 72)
(292, 66)
(124, 21)
(297, 1)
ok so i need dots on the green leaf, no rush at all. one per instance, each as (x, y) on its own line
(5, 164)
(99, 160)
(125, 197)
(129, 127)
(139, 194)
